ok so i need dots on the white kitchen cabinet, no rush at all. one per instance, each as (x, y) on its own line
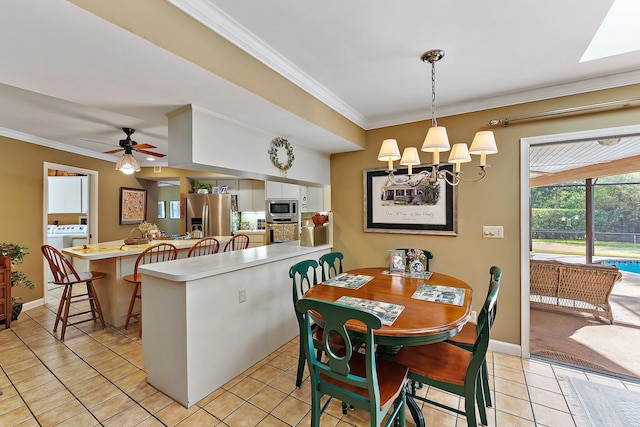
(315, 199)
(311, 199)
(282, 190)
(256, 237)
(68, 194)
(251, 195)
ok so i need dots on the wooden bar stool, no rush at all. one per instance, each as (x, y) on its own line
(64, 274)
(236, 243)
(157, 253)
(206, 246)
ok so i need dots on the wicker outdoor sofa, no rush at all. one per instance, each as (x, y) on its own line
(572, 287)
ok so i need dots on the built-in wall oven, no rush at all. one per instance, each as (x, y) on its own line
(282, 220)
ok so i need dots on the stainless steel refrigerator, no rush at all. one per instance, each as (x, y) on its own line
(214, 214)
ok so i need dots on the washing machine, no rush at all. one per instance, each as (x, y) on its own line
(65, 236)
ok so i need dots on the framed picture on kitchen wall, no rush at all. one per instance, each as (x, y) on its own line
(133, 205)
(408, 204)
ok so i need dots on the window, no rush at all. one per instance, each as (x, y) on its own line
(174, 209)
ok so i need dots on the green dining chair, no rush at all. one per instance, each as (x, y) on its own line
(469, 333)
(427, 256)
(304, 276)
(451, 368)
(360, 379)
(331, 264)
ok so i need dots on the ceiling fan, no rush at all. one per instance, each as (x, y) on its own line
(128, 145)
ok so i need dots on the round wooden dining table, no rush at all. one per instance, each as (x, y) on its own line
(420, 322)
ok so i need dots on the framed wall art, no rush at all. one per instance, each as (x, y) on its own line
(409, 204)
(133, 205)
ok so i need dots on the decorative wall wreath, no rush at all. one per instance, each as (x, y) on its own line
(273, 154)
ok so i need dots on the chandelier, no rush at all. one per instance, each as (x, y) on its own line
(436, 142)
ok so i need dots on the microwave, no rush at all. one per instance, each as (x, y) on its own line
(282, 210)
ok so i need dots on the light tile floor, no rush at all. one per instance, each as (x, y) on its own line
(96, 377)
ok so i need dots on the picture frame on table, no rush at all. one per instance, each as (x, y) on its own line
(133, 205)
(409, 204)
(397, 261)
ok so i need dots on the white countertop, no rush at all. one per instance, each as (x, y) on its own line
(182, 270)
(117, 248)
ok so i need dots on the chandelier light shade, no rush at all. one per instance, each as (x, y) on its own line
(127, 164)
(389, 152)
(409, 158)
(459, 154)
(436, 142)
(483, 143)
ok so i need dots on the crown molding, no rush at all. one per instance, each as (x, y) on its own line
(227, 27)
(550, 92)
(20, 136)
(224, 25)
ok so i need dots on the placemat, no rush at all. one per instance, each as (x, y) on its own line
(347, 280)
(384, 311)
(438, 293)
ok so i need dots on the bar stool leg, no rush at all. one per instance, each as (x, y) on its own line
(95, 303)
(130, 314)
(63, 298)
(65, 319)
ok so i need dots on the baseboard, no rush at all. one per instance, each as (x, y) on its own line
(32, 304)
(505, 348)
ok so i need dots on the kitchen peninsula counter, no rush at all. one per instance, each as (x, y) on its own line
(116, 260)
(207, 319)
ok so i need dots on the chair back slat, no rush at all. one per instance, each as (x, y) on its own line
(62, 270)
(331, 265)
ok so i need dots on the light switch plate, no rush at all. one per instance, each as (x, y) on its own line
(492, 232)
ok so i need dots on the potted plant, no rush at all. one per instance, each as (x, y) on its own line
(16, 253)
(201, 187)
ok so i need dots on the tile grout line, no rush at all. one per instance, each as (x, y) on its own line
(16, 389)
(81, 358)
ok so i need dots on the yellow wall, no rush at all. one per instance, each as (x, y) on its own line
(21, 186)
(493, 201)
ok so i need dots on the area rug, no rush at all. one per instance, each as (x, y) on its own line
(599, 405)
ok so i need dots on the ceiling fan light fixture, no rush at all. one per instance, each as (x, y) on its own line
(127, 164)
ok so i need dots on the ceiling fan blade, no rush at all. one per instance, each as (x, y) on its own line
(112, 151)
(150, 153)
(143, 146)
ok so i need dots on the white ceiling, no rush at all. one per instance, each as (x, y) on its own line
(68, 77)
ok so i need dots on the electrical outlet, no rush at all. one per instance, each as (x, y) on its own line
(474, 317)
(492, 232)
(242, 296)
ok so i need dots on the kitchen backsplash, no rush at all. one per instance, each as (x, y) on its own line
(256, 220)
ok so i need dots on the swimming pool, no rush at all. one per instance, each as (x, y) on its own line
(629, 265)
